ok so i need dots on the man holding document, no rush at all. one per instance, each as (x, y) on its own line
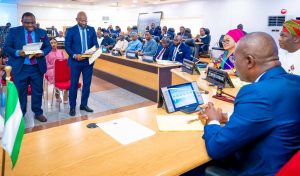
(79, 39)
(27, 47)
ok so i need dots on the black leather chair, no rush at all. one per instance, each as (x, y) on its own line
(191, 44)
(216, 171)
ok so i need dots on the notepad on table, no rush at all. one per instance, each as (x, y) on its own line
(179, 123)
(125, 130)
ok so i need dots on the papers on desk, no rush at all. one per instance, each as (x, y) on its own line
(125, 130)
(179, 123)
(167, 62)
(33, 48)
(238, 82)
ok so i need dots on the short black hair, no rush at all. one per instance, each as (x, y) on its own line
(27, 14)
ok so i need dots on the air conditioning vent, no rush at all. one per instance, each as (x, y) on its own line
(276, 20)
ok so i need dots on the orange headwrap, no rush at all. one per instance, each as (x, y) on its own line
(292, 27)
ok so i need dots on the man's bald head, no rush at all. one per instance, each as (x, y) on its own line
(177, 40)
(255, 53)
(82, 19)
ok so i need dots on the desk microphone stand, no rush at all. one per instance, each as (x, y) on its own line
(221, 95)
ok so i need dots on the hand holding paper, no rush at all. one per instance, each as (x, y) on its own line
(32, 48)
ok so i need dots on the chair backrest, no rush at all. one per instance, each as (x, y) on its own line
(291, 167)
(62, 71)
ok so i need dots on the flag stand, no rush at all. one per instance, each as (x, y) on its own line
(3, 162)
(8, 72)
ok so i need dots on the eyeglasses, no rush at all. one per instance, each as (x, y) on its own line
(29, 22)
(225, 41)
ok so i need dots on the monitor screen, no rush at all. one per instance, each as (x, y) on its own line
(183, 95)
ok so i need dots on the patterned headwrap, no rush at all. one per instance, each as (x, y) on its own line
(292, 27)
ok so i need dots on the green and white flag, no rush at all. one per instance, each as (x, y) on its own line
(14, 124)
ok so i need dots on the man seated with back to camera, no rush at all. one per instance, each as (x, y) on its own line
(135, 44)
(179, 50)
(107, 41)
(150, 46)
(263, 132)
(163, 49)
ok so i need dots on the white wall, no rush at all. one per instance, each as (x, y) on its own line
(218, 15)
(8, 13)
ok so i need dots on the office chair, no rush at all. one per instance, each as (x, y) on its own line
(291, 167)
(62, 77)
(216, 171)
(219, 44)
(191, 44)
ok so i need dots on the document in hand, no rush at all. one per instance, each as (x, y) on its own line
(95, 56)
(125, 130)
(32, 48)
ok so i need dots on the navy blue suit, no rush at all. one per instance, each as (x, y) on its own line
(165, 55)
(263, 131)
(73, 45)
(184, 52)
(24, 74)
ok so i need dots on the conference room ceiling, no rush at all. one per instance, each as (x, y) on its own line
(110, 3)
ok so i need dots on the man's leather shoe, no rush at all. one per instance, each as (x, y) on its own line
(86, 108)
(41, 118)
(72, 112)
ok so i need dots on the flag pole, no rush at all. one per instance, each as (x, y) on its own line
(3, 162)
(8, 71)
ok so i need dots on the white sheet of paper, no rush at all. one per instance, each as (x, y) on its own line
(95, 56)
(32, 48)
(90, 51)
(125, 130)
(179, 123)
(167, 62)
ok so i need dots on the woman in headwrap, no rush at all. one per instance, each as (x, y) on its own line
(226, 60)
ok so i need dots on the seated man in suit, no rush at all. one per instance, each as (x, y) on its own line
(163, 50)
(134, 45)
(107, 41)
(179, 50)
(150, 46)
(263, 132)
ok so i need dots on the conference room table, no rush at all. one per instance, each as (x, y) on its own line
(74, 149)
(135, 75)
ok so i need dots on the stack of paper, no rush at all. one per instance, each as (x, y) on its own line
(179, 123)
(125, 130)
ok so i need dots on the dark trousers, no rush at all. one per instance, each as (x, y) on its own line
(30, 75)
(87, 71)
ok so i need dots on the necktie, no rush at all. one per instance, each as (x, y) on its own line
(161, 52)
(29, 40)
(83, 41)
(174, 54)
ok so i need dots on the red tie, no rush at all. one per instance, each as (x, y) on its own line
(161, 52)
(29, 40)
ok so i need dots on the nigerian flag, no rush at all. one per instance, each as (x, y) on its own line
(14, 124)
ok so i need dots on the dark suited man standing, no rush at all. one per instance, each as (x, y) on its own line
(28, 71)
(80, 38)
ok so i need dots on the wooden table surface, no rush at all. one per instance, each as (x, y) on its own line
(74, 149)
